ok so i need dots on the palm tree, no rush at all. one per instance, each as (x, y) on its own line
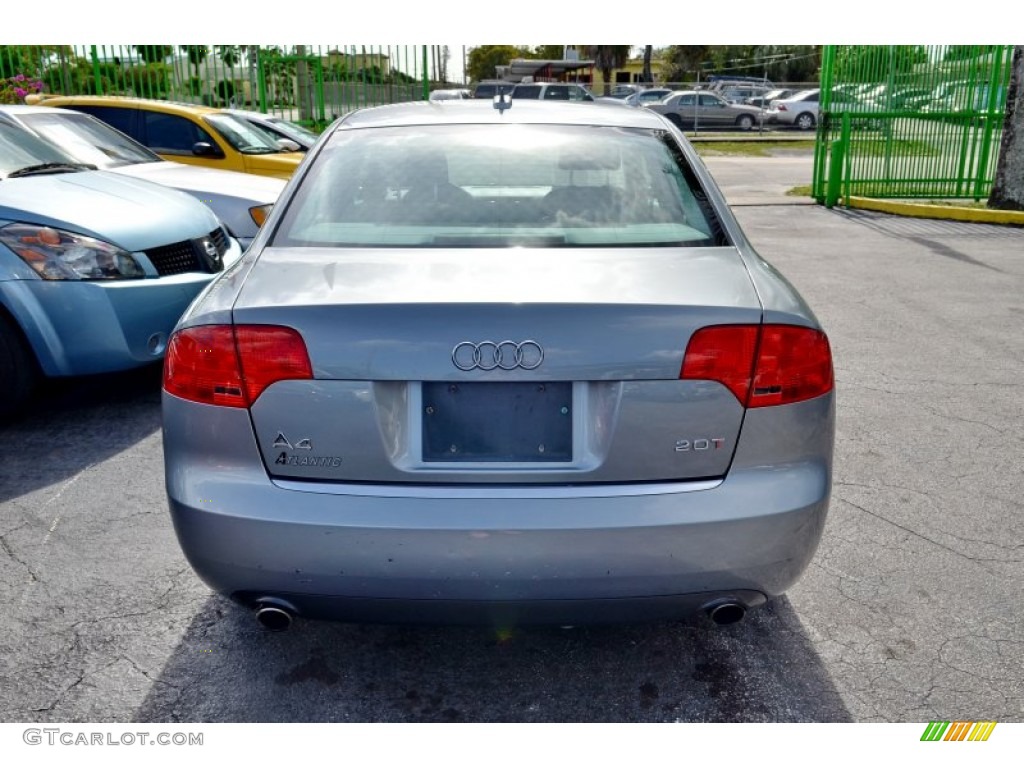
(646, 76)
(1008, 189)
(606, 58)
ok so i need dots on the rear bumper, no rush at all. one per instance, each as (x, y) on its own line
(563, 554)
(346, 556)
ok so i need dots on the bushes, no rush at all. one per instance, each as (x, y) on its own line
(13, 90)
(150, 80)
(226, 91)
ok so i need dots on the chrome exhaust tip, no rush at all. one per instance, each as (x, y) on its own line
(726, 612)
(274, 618)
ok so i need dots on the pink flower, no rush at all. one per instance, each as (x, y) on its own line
(19, 78)
(20, 92)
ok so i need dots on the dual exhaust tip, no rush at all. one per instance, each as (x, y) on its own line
(278, 617)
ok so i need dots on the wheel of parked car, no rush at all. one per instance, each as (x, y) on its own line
(675, 119)
(17, 369)
(744, 122)
(805, 121)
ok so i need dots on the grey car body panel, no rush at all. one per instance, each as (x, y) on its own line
(652, 276)
(228, 193)
(368, 316)
(104, 213)
(626, 431)
(626, 529)
(244, 532)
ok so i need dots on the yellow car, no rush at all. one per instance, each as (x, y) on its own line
(189, 133)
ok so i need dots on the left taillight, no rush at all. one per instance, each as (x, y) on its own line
(232, 365)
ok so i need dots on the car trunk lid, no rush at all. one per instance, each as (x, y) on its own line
(497, 365)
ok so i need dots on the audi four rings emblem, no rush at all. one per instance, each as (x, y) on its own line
(506, 355)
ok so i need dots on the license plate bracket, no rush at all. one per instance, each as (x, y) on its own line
(520, 422)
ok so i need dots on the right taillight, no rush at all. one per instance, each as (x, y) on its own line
(762, 364)
(232, 365)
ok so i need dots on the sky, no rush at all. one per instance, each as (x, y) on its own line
(404, 22)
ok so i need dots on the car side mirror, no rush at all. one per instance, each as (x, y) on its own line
(288, 145)
(206, 149)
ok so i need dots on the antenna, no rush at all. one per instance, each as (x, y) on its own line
(502, 100)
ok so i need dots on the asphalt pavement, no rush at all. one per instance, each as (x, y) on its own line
(910, 611)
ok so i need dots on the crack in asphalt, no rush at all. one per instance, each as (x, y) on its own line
(974, 675)
(33, 576)
(912, 532)
(161, 605)
(76, 644)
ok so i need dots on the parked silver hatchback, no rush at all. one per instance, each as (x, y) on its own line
(505, 365)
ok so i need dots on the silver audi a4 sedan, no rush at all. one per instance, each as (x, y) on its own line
(504, 363)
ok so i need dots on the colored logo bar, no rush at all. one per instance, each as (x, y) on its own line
(939, 730)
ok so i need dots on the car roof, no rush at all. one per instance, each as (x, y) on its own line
(249, 113)
(464, 111)
(15, 108)
(176, 107)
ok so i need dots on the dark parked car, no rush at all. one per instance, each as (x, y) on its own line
(552, 92)
(488, 89)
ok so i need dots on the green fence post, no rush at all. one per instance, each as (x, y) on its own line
(837, 174)
(96, 70)
(261, 81)
(426, 76)
(819, 180)
(321, 109)
(982, 180)
(837, 158)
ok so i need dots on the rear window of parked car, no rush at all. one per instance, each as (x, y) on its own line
(497, 186)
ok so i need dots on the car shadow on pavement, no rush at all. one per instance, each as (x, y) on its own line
(72, 424)
(228, 669)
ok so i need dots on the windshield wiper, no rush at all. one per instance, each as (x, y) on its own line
(29, 170)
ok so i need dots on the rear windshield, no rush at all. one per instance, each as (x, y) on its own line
(499, 186)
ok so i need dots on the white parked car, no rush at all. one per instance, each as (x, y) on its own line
(289, 134)
(240, 200)
(450, 94)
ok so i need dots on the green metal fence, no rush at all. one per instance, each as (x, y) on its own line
(910, 121)
(311, 84)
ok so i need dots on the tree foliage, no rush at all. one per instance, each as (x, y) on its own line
(196, 55)
(867, 63)
(606, 58)
(780, 63)
(31, 60)
(547, 52)
(485, 59)
(961, 52)
(230, 54)
(153, 54)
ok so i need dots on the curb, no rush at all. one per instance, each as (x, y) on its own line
(925, 211)
(767, 137)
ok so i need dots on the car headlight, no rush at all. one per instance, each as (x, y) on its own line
(60, 255)
(260, 213)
